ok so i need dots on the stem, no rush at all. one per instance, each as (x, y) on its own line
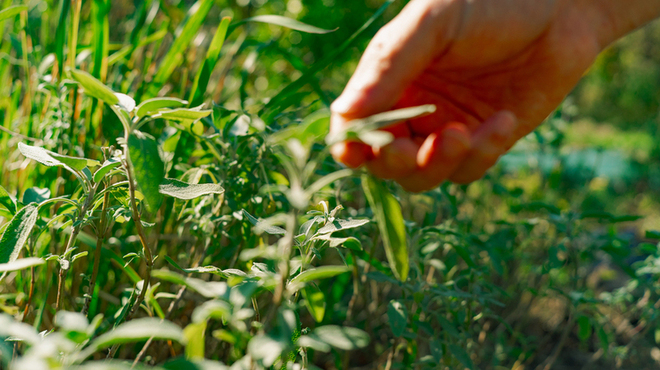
(286, 249)
(29, 301)
(100, 238)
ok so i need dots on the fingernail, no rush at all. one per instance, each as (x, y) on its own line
(505, 126)
(344, 103)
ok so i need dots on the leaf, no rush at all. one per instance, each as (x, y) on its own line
(35, 195)
(461, 355)
(107, 166)
(12, 11)
(279, 20)
(314, 301)
(387, 212)
(272, 230)
(148, 167)
(48, 158)
(153, 106)
(21, 264)
(183, 114)
(341, 337)
(204, 73)
(6, 201)
(397, 316)
(367, 127)
(322, 272)
(94, 87)
(266, 348)
(183, 190)
(182, 39)
(138, 330)
(17, 232)
(209, 289)
(125, 102)
(195, 336)
(584, 328)
(339, 225)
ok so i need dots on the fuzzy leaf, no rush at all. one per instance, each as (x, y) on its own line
(21, 264)
(155, 105)
(288, 23)
(148, 167)
(108, 166)
(183, 190)
(17, 232)
(341, 337)
(322, 272)
(338, 225)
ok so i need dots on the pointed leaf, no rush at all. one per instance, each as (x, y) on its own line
(461, 355)
(108, 166)
(35, 195)
(137, 330)
(94, 87)
(48, 158)
(12, 11)
(387, 212)
(21, 264)
(183, 114)
(341, 337)
(153, 106)
(195, 336)
(212, 54)
(183, 190)
(125, 102)
(397, 316)
(278, 20)
(339, 225)
(315, 302)
(17, 232)
(148, 167)
(322, 272)
(272, 230)
(6, 201)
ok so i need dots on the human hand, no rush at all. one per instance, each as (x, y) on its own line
(494, 70)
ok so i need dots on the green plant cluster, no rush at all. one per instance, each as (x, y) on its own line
(168, 201)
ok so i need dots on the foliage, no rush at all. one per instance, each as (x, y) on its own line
(166, 178)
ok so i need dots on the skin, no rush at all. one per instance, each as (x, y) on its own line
(494, 69)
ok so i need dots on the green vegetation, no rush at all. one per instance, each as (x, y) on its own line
(167, 200)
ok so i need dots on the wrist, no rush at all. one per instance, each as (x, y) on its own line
(616, 18)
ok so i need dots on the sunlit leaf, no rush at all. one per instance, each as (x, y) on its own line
(12, 11)
(204, 73)
(137, 330)
(183, 114)
(345, 338)
(314, 301)
(17, 232)
(108, 166)
(125, 102)
(273, 230)
(94, 87)
(279, 20)
(183, 190)
(195, 336)
(387, 212)
(322, 272)
(7, 201)
(339, 225)
(48, 158)
(155, 105)
(21, 264)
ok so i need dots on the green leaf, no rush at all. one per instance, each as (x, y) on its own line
(209, 289)
(6, 201)
(387, 212)
(108, 166)
(12, 11)
(153, 106)
(212, 54)
(462, 356)
(584, 328)
(397, 316)
(183, 114)
(125, 102)
(339, 225)
(21, 264)
(17, 232)
(48, 158)
(322, 272)
(314, 301)
(94, 87)
(137, 330)
(272, 230)
(148, 167)
(367, 128)
(182, 39)
(195, 336)
(35, 195)
(183, 190)
(266, 348)
(279, 20)
(341, 337)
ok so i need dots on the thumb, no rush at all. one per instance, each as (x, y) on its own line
(396, 56)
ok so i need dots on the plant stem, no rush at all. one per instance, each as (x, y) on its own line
(100, 238)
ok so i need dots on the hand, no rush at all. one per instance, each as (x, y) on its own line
(494, 69)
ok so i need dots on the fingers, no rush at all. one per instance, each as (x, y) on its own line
(397, 159)
(493, 138)
(438, 157)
